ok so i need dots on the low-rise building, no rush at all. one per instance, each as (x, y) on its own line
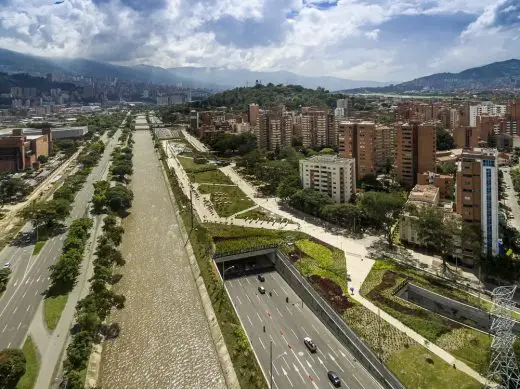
(20, 152)
(445, 183)
(331, 175)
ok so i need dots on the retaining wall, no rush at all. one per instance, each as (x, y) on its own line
(335, 323)
(452, 309)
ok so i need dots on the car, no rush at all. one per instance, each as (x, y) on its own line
(261, 278)
(334, 378)
(310, 344)
(261, 289)
(7, 265)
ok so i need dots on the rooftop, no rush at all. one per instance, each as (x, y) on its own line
(424, 194)
(328, 159)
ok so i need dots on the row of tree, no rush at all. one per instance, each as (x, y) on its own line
(93, 310)
(65, 271)
(12, 188)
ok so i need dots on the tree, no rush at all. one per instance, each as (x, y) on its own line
(492, 140)
(99, 198)
(47, 214)
(444, 140)
(12, 367)
(309, 201)
(13, 187)
(448, 168)
(383, 210)
(288, 186)
(121, 169)
(119, 198)
(437, 231)
(43, 159)
(349, 216)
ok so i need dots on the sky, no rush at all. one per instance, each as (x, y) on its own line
(380, 40)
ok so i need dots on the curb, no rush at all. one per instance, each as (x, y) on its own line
(218, 340)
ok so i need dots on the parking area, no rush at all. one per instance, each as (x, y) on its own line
(280, 320)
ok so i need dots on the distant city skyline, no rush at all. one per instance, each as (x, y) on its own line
(380, 40)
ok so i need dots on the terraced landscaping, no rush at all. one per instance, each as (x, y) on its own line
(467, 344)
(227, 200)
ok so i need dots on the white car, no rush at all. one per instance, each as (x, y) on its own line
(7, 265)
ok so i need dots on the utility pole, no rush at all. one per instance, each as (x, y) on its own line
(379, 331)
(271, 359)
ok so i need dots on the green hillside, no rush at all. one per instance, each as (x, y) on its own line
(293, 96)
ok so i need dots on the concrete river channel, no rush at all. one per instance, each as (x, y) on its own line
(165, 340)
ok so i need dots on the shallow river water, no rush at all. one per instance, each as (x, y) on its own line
(165, 340)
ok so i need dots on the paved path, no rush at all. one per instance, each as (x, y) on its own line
(512, 200)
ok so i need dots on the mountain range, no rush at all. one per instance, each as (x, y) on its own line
(213, 78)
(497, 75)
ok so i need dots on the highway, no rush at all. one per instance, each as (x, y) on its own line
(29, 277)
(286, 324)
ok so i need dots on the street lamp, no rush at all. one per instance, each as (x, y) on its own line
(224, 270)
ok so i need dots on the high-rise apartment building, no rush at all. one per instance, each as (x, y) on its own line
(274, 130)
(253, 113)
(486, 108)
(477, 195)
(416, 147)
(466, 137)
(369, 144)
(342, 108)
(317, 128)
(336, 177)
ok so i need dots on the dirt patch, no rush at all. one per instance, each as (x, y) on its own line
(331, 292)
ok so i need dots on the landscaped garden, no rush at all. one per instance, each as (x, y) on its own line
(227, 200)
(259, 214)
(467, 344)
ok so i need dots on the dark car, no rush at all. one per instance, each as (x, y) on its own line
(261, 289)
(261, 278)
(334, 378)
(310, 344)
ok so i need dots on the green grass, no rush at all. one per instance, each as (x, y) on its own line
(418, 368)
(227, 200)
(322, 261)
(32, 366)
(52, 308)
(210, 177)
(38, 247)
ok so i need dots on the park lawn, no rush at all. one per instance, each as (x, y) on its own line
(32, 366)
(188, 164)
(258, 214)
(418, 368)
(227, 200)
(38, 247)
(52, 308)
(211, 177)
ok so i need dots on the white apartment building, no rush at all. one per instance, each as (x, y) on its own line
(331, 175)
(486, 108)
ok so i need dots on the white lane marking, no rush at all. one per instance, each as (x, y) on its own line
(275, 369)
(36, 293)
(346, 358)
(301, 364)
(296, 336)
(248, 280)
(314, 328)
(9, 345)
(27, 281)
(240, 302)
(283, 359)
(284, 373)
(38, 280)
(310, 367)
(360, 384)
(248, 318)
(331, 349)
(314, 384)
(19, 325)
(288, 310)
(15, 309)
(334, 360)
(275, 292)
(298, 371)
(16, 283)
(259, 318)
(4, 328)
(279, 312)
(239, 282)
(23, 296)
(321, 362)
(272, 340)
(284, 290)
(262, 343)
(250, 302)
(27, 310)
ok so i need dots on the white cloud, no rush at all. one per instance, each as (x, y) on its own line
(344, 38)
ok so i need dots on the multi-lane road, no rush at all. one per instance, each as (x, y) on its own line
(29, 277)
(286, 325)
